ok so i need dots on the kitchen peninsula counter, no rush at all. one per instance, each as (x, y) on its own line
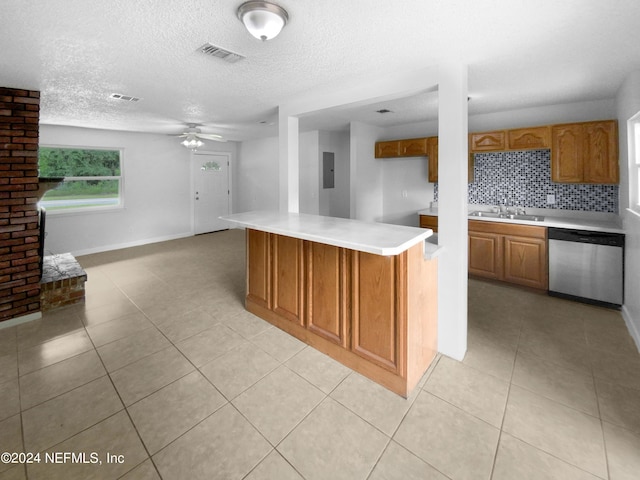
(363, 293)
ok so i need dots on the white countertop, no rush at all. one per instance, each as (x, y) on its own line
(555, 221)
(370, 237)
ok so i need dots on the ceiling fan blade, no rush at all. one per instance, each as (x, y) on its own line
(210, 136)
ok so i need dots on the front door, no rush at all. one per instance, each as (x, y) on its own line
(211, 191)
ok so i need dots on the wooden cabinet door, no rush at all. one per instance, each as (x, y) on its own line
(376, 320)
(413, 147)
(529, 138)
(388, 149)
(488, 141)
(601, 152)
(327, 292)
(432, 154)
(485, 255)
(287, 277)
(525, 261)
(429, 221)
(567, 153)
(259, 268)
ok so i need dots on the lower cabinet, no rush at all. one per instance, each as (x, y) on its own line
(485, 254)
(376, 329)
(327, 292)
(509, 252)
(376, 314)
(287, 277)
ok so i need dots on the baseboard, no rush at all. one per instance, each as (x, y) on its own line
(20, 320)
(633, 326)
(137, 243)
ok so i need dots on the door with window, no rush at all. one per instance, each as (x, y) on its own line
(210, 172)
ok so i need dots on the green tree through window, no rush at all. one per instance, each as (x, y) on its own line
(92, 177)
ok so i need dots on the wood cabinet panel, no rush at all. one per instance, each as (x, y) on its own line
(529, 138)
(288, 281)
(601, 152)
(585, 153)
(413, 147)
(375, 321)
(327, 291)
(526, 261)
(566, 153)
(432, 154)
(485, 255)
(258, 268)
(488, 141)
(429, 221)
(388, 149)
(375, 314)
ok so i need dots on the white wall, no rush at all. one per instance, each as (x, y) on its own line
(366, 200)
(309, 172)
(256, 175)
(628, 104)
(405, 189)
(157, 192)
(334, 202)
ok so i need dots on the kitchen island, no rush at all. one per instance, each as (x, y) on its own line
(363, 293)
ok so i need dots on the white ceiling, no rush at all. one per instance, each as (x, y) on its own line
(521, 53)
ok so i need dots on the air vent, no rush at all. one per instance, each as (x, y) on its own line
(219, 52)
(126, 98)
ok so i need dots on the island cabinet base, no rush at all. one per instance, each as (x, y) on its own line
(375, 314)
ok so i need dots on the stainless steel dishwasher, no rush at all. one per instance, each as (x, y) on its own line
(586, 266)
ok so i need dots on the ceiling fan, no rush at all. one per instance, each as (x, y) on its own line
(193, 135)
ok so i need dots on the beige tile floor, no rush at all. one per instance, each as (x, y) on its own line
(164, 370)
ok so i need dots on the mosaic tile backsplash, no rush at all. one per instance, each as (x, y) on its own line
(523, 179)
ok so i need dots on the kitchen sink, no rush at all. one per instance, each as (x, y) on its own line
(510, 216)
(486, 214)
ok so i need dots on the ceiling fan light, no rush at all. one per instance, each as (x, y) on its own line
(263, 20)
(192, 142)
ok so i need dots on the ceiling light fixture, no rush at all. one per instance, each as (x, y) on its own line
(192, 142)
(264, 20)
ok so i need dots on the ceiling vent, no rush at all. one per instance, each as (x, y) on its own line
(219, 52)
(126, 98)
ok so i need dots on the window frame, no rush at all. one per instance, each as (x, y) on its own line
(95, 208)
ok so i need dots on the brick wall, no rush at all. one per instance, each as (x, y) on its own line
(19, 235)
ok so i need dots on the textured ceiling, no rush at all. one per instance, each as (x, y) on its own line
(520, 54)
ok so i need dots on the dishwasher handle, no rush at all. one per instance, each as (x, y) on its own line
(586, 236)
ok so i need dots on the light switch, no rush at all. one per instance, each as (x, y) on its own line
(551, 199)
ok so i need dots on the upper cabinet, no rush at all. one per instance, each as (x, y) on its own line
(488, 141)
(585, 152)
(529, 138)
(388, 149)
(432, 153)
(411, 147)
(515, 139)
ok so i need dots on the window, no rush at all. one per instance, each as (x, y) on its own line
(92, 178)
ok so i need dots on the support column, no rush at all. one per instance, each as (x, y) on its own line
(289, 173)
(453, 152)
